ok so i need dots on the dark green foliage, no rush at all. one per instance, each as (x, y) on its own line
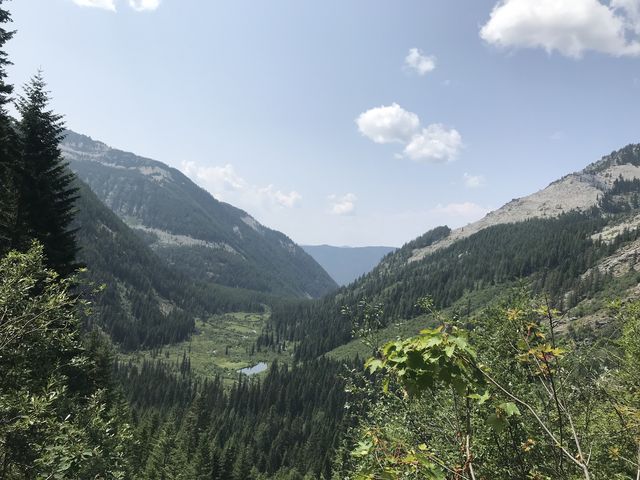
(291, 420)
(46, 195)
(8, 143)
(628, 155)
(624, 196)
(551, 253)
(144, 303)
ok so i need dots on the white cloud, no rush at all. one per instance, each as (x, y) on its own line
(419, 62)
(216, 179)
(142, 5)
(570, 27)
(388, 124)
(343, 205)
(465, 209)
(104, 4)
(288, 200)
(393, 124)
(435, 144)
(226, 184)
(632, 10)
(474, 181)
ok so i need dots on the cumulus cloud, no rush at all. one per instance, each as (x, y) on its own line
(216, 179)
(104, 4)
(224, 183)
(142, 5)
(435, 144)
(393, 124)
(288, 200)
(570, 27)
(419, 62)
(464, 209)
(474, 181)
(388, 124)
(630, 10)
(343, 205)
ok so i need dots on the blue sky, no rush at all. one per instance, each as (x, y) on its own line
(348, 122)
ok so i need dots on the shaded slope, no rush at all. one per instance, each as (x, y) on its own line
(144, 302)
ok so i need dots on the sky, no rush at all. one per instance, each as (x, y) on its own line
(345, 122)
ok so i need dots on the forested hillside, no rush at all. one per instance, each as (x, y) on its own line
(197, 235)
(287, 425)
(557, 255)
(143, 303)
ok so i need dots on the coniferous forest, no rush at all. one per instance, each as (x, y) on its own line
(505, 352)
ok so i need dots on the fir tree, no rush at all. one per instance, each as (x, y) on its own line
(47, 196)
(8, 143)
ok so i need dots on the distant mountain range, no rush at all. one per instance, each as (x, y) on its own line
(192, 232)
(346, 264)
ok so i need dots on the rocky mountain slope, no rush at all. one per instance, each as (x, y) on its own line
(203, 238)
(577, 191)
(346, 264)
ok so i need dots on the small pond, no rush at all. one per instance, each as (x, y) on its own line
(257, 368)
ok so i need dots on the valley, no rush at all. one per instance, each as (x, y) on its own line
(207, 288)
(222, 345)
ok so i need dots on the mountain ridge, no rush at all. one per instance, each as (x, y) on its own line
(569, 241)
(579, 190)
(191, 230)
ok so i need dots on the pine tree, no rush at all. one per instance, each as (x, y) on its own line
(47, 194)
(8, 143)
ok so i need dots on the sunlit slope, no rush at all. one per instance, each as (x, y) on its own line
(570, 241)
(196, 234)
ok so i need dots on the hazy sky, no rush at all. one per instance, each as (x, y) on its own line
(348, 122)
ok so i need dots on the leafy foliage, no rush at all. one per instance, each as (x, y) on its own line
(58, 418)
(508, 399)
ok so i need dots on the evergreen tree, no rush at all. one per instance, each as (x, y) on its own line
(47, 196)
(8, 143)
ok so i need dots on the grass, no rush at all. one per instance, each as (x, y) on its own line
(221, 345)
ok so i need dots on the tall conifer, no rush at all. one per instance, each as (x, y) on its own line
(8, 143)
(47, 194)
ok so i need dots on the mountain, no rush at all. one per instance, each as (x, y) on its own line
(142, 302)
(571, 241)
(346, 264)
(193, 232)
(577, 191)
